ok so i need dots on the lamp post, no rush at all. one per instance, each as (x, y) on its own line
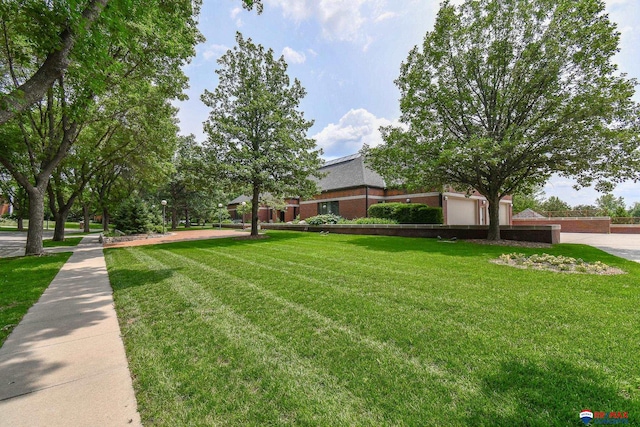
(219, 216)
(164, 206)
(244, 206)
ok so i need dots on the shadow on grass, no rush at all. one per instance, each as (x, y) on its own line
(225, 242)
(462, 248)
(429, 245)
(546, 393)
(124, 278)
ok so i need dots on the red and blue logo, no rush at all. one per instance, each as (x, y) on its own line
(586, 416)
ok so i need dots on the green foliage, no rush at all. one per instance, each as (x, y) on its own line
(611, 205)
(557, 263)
(503, 94)
(528, 199)
(370, 220)
(555, 204)
(635, 210)
(257, 137)
(407, 213)
(133, 217)
(323, 219)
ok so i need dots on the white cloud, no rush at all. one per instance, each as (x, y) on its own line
(562, 188)
(214, 51)
(384, 16)
(293, 57)
(235, 11)
(340, 20)
(312, 52)
(614, 2)
(355, 128)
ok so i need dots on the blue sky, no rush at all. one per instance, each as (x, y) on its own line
(347, 53)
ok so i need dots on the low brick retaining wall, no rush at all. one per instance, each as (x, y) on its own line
(540, 233)
(570, 225)
(625, 228)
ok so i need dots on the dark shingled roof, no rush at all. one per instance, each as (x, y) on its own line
(345, 172)
(349, 171)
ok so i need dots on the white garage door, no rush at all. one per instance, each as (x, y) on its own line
(504, 214)
(461, 211)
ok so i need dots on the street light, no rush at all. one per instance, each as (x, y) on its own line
(219, 216)
(164, 205)
(244, 206)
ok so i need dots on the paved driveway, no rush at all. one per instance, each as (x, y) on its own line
(12, 243)
(622, 245)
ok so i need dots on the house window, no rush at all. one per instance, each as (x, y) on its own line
(328, 208)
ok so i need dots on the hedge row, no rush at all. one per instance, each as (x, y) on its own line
(407, 213)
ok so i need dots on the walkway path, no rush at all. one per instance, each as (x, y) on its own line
(622, 245)
(64, 364)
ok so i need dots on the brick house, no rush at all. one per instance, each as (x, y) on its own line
(349, 187)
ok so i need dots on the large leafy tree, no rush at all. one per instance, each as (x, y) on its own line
(257, 137)
(191, 191)
(54, 29)
(504, 93)
(134, 126)
(133, 42)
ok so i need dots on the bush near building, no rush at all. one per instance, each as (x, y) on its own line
(407, 213)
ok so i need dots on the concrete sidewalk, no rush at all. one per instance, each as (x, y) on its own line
(64, 364)
(621, 245)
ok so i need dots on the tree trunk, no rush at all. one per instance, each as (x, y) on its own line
(105, 219)
(494, 218)
(254, 210)
(61, 219)
(174, 218)
(187, 221)
(85, 215)
(36, 219)
(20, 223)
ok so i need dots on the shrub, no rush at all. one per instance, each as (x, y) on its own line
(368, 221)
(323, 219)
(133, 217)
(407, 213)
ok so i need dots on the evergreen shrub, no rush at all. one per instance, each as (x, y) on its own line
(407, 213)
(133, 217)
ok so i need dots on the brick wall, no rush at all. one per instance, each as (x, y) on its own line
(571, 225)
(544, 233)
(625, 228)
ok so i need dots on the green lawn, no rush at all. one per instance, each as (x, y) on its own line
(10, 225)
(22, 281)
(68, 241)
(303, 329)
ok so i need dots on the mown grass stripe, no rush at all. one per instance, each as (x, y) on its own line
(532, 346)
(391, 351)
(320, 389)
(162, 379)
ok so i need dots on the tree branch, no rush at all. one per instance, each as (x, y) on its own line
(53, 67)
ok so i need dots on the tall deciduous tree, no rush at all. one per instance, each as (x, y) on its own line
(53, 29)
(133, 41)
(611, 205)
(257, 136)
(504, 93)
